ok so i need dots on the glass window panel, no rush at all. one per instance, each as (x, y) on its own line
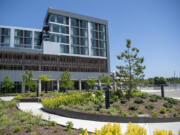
(74, 22)
(27, 33)
(37, 35)
(61, 19)
(83, 32)
(18, 33)
(102, 52)
(17, 41)
(102, 27)
(52, 18)
(83, 24)
(102, 44)
(64, 48)
(84, 50)
(27, 41)
(55, 28)
(5, 32)
(102, 35)
(75, 50)
(94, 34)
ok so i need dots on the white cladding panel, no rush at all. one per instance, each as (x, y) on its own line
(51, 48)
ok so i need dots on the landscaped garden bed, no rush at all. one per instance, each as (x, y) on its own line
(93, 103)
(15, 122)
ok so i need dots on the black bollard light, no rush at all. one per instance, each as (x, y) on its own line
(107, 97)
(37, 92)
(162, 90)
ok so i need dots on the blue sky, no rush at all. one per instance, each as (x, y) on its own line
(152, 25)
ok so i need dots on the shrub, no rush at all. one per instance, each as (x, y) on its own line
(133, 107)
(124, 100)
(1, 106)
(141, 111)
(179, 132)
(17, 129)
(69, 126)
(163, 132)
(123, 114)
(103, 110)
(134, 129)
(52, 123)
(149, 106)
(153, 98)
(168, 105)
(88, 107)
(175, 114)
(83, 131)
(135, 115)
(163, 110)
(98, 106)
(171, 100)
(114, 129)
(28, 127)
(139, 100)
(117, 106)
(154, 114)
(112, 111)
(119, 93)
(10, 104)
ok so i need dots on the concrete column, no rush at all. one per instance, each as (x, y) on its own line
(99, 84)
(39, 85)
(23, 88)
(80, 85)
(58, 85)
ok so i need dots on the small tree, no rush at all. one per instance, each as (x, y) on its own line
(28, 80)
(106, 79)
(66, 81)
(45, 79)
(8, 84)
(132, 70)
(91, 82)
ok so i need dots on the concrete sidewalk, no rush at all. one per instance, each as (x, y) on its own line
(35, 108)
(7, 98)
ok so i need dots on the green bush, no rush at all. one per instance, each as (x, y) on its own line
(133, 107)
(103, 110)
(119, 93)
(141, 111)
(123, 114)
(124, 100)
(69, 126)
(112, 111)
(153, 98)
(17, 129)
(149, 106)
(168, 105)
(163, 110)
(175, 114)
(154, 114)
(139, 100)
(82, 131)
(98, 106)
(117, 106)
(171, 100)
(1, 106)
(135, 115)
(10, 104)
(28, 127)
(52, 123)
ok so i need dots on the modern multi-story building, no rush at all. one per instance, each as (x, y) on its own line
(67, 41)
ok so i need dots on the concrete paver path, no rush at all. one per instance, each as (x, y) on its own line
(7, 98)
(35, 108)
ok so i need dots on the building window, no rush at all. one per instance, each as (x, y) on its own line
(64, 48)
(37, 40)
(4, 37)
(23, 38)
(59, 19)
(59, 29)
(98, 40)
(59, 38)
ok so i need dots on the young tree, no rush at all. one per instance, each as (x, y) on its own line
(45, 79)
(91, 82)
(8, 84)
(66, 81)
(106, 79)
(28, 80)
(132, 70)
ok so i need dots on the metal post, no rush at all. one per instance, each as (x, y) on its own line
(162, 90)
(107, 98)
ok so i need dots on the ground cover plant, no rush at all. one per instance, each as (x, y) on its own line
(94, 102)
(15, 122)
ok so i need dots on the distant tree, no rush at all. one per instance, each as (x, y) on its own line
(160, 81)
(91, 82)
(132, 70)
(66, 81)
(106, 79)
(8, 84)
(45, 79)
(28, 80)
